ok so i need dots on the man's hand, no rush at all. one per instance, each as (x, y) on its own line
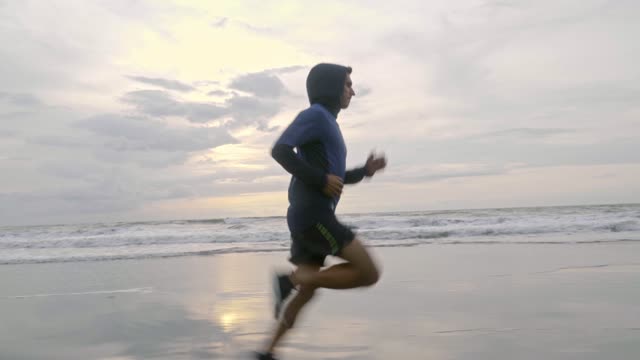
(333, 187)
(375, 163)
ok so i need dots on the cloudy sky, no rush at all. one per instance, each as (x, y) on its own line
(148, 110)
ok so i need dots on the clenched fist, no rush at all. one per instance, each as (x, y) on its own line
(333, 186)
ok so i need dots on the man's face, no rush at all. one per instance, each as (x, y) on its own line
(347, 93)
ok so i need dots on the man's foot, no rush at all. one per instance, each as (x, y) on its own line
(264, 356)
(282, 287)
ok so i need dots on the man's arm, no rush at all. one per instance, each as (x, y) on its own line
(374, 163)
(354, 176)
(297, 167)
(307, 127)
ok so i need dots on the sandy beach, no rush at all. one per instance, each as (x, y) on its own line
(436, 302)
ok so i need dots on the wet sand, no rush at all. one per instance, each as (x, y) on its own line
(475, 302)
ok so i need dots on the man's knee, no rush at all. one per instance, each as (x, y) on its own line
(371, 276)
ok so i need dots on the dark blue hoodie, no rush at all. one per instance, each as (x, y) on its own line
(321, 150)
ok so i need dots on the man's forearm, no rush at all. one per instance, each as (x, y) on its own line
(297, 167)
(355, 175)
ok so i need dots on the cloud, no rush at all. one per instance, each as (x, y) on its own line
(286, 69)
(262, 104)
(77, 200)
(260, 84)
(90, 191)
(220, 23)
(202, 112)
(504, 150)
(160, 103)
(595, 93)
(223, 181)
(7, 133)
(429, 173)
(97, 189)
(60, 141)
(526, 133)
(154, 103)
(111, 139)
(75, 48)
(15, 115)
(482, 73)
(20, 99)
(224, 22)
(164, 83)
(482, 84)
(140, 134)
(262, 30)
(363, 91)
(81, 189)
(255, 109)
(206, 82)
(78, 171)
(217, 93)
(247, 110)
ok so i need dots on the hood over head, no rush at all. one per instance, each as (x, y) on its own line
(325, 85)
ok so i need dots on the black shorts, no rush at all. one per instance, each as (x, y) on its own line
(326, 237)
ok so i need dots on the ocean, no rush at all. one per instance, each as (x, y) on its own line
(595, 224)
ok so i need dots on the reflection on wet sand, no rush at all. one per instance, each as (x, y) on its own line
(434, 302)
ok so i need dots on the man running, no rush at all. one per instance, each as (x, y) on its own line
(318, 172)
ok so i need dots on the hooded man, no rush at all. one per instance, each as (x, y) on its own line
(318, 169)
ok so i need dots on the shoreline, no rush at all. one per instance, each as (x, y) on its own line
(284, 216)
(409, 243)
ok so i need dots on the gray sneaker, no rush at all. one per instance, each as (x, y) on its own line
(264, 356)
(282, 287)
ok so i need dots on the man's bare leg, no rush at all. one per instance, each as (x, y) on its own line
(359, 270)
(300, 299)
